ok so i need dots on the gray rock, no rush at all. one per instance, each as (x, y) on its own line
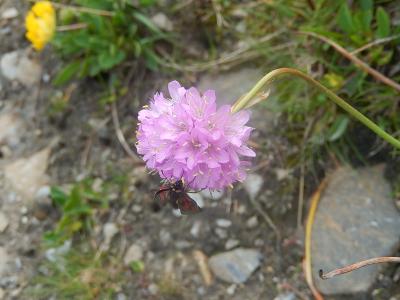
(162, 22)
(11, 127)
(356, 220)
(121, 296)
(252, 222)
(28, 175)
(153, 288)
(17, 66)
(3, 222)
(134, 253)
(57, 254)
(9, 13)
(235, 266)
(195, 230)
(286, 296)
(221, 233)
(231, 243)
(224, 223)
(109, 231)
(253, 184)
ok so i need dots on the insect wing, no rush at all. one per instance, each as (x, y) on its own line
(187, 205)
(163, 195)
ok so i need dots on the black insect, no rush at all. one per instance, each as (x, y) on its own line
(175, 193)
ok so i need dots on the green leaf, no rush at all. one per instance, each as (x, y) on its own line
(109, 59)
(366, 4)
(147, 2)
(366, 18)
(74, 199)
(137, 266)
(345, 20)
(66, 73)
(338, 128)
(147, 22)
(383, 23)
(58, 196)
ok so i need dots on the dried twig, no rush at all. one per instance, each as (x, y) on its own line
(120, 135)
(228, 58)
(82, 9)
(310, 220)
(375, 43)
(363, 263)
(267, 219)
(70, 27)
(358, 62)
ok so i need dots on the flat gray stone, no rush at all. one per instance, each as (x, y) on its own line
(235, 266)
(134, 253)
(18, 66)
(356, 220)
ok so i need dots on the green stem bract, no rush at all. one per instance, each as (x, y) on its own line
(245, 101)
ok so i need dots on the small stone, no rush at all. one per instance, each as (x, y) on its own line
(153, 288)
(195, 230)
(24, 220)
(253, 184)
(136, 208)
(11, 126)
(224, 223)
(134, 253)
(231, 243)
(162, 22)
(9, 13)
(231, 289)
(2, 294)
(252, 222)
(43, 193)
(259, 242)
(121, 296)
(235, 266)
(282, 174)
(97, 184)
(182, 245)
(17, 66)
(27, 175)
(56, 254)
(165, 236)
(3, 222)
(46, 77)
(221, 233)
(109, 231)
(24, 210)
(286, 296)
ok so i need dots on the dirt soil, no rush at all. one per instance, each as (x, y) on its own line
(84, 143)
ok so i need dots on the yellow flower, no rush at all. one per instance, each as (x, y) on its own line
(40, 23)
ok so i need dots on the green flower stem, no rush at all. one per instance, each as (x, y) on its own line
(248, 101)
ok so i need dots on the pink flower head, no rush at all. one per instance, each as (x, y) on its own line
(187, 137)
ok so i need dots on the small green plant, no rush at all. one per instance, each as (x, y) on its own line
(80, 275)
(114, 32)
(76, 208)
